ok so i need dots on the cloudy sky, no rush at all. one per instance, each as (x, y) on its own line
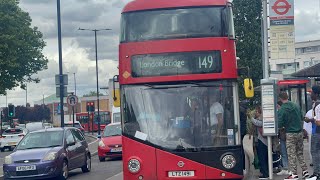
(78, 46)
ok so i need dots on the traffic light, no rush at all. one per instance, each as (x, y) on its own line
(11, 110)
(90, 106)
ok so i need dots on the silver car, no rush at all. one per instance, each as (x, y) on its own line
(11, 137)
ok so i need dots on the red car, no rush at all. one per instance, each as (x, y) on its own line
(110, 144)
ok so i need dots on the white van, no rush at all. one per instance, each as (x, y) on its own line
(116, 116)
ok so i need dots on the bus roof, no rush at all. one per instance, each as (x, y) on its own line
(138, 5)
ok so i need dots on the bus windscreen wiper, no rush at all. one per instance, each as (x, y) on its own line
(165, 86)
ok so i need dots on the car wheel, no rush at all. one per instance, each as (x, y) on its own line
(10, 148)
(2, 149)
(65, 171)
(87, 166)
(102, 159)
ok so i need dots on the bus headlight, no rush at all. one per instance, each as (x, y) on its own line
(134, 165)
(228, 161)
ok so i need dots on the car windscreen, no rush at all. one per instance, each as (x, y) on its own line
(76, 125)
(12, 131)
(112, 130)
(41, 140)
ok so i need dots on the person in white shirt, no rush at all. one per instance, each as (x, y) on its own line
(216, 119)
(308, 127)
(216, 113)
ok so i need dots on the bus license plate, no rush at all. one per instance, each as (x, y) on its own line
(116, 149)
(26, 168)
(181, 173)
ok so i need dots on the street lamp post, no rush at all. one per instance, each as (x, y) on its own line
(96, 49)
(75, 84)
(26, 95)
(60, 63)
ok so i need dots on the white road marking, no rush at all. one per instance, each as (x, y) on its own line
(119, 174)
(93, 141)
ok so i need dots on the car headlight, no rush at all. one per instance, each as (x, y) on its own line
(50, 156)
(101, 144)
(228, 161)
(134, 165)
(8, 160)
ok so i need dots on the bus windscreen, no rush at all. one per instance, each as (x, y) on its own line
(168, 64)
(175, 23)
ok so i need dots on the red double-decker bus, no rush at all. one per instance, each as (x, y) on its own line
(178, 89)
(88, 123)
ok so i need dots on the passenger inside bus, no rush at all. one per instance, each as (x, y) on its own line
(216, 119)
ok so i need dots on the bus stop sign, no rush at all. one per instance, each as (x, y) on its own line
(269, 106)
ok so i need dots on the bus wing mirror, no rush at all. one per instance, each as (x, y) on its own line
(248, 87)
(116, 91)
(116, 97)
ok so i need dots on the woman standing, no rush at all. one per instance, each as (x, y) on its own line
(262, 149)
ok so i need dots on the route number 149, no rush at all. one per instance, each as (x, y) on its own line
(205, 62)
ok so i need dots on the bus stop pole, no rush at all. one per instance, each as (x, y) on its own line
(92, 123)
(266, 74)
(88, 122)
(73, 116)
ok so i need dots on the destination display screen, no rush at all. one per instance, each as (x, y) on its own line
(169, 64)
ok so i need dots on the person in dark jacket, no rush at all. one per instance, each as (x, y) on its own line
(291, 118)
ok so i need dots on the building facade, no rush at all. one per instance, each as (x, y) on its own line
(52, 102)
(307, 54)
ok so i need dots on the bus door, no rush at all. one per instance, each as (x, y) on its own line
(297, 92)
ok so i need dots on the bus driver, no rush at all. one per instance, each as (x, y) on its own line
(216, 119)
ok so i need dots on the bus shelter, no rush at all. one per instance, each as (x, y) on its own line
(297, 92)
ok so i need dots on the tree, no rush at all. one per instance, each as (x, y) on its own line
(20, 48)
(249, 46)
(93, 93)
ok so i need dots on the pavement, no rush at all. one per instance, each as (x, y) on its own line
(276, 177)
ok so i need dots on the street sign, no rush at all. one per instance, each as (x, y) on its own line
(282, 38)
(64, 79)
(281, 7)
(65, 92)
(72, 100)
